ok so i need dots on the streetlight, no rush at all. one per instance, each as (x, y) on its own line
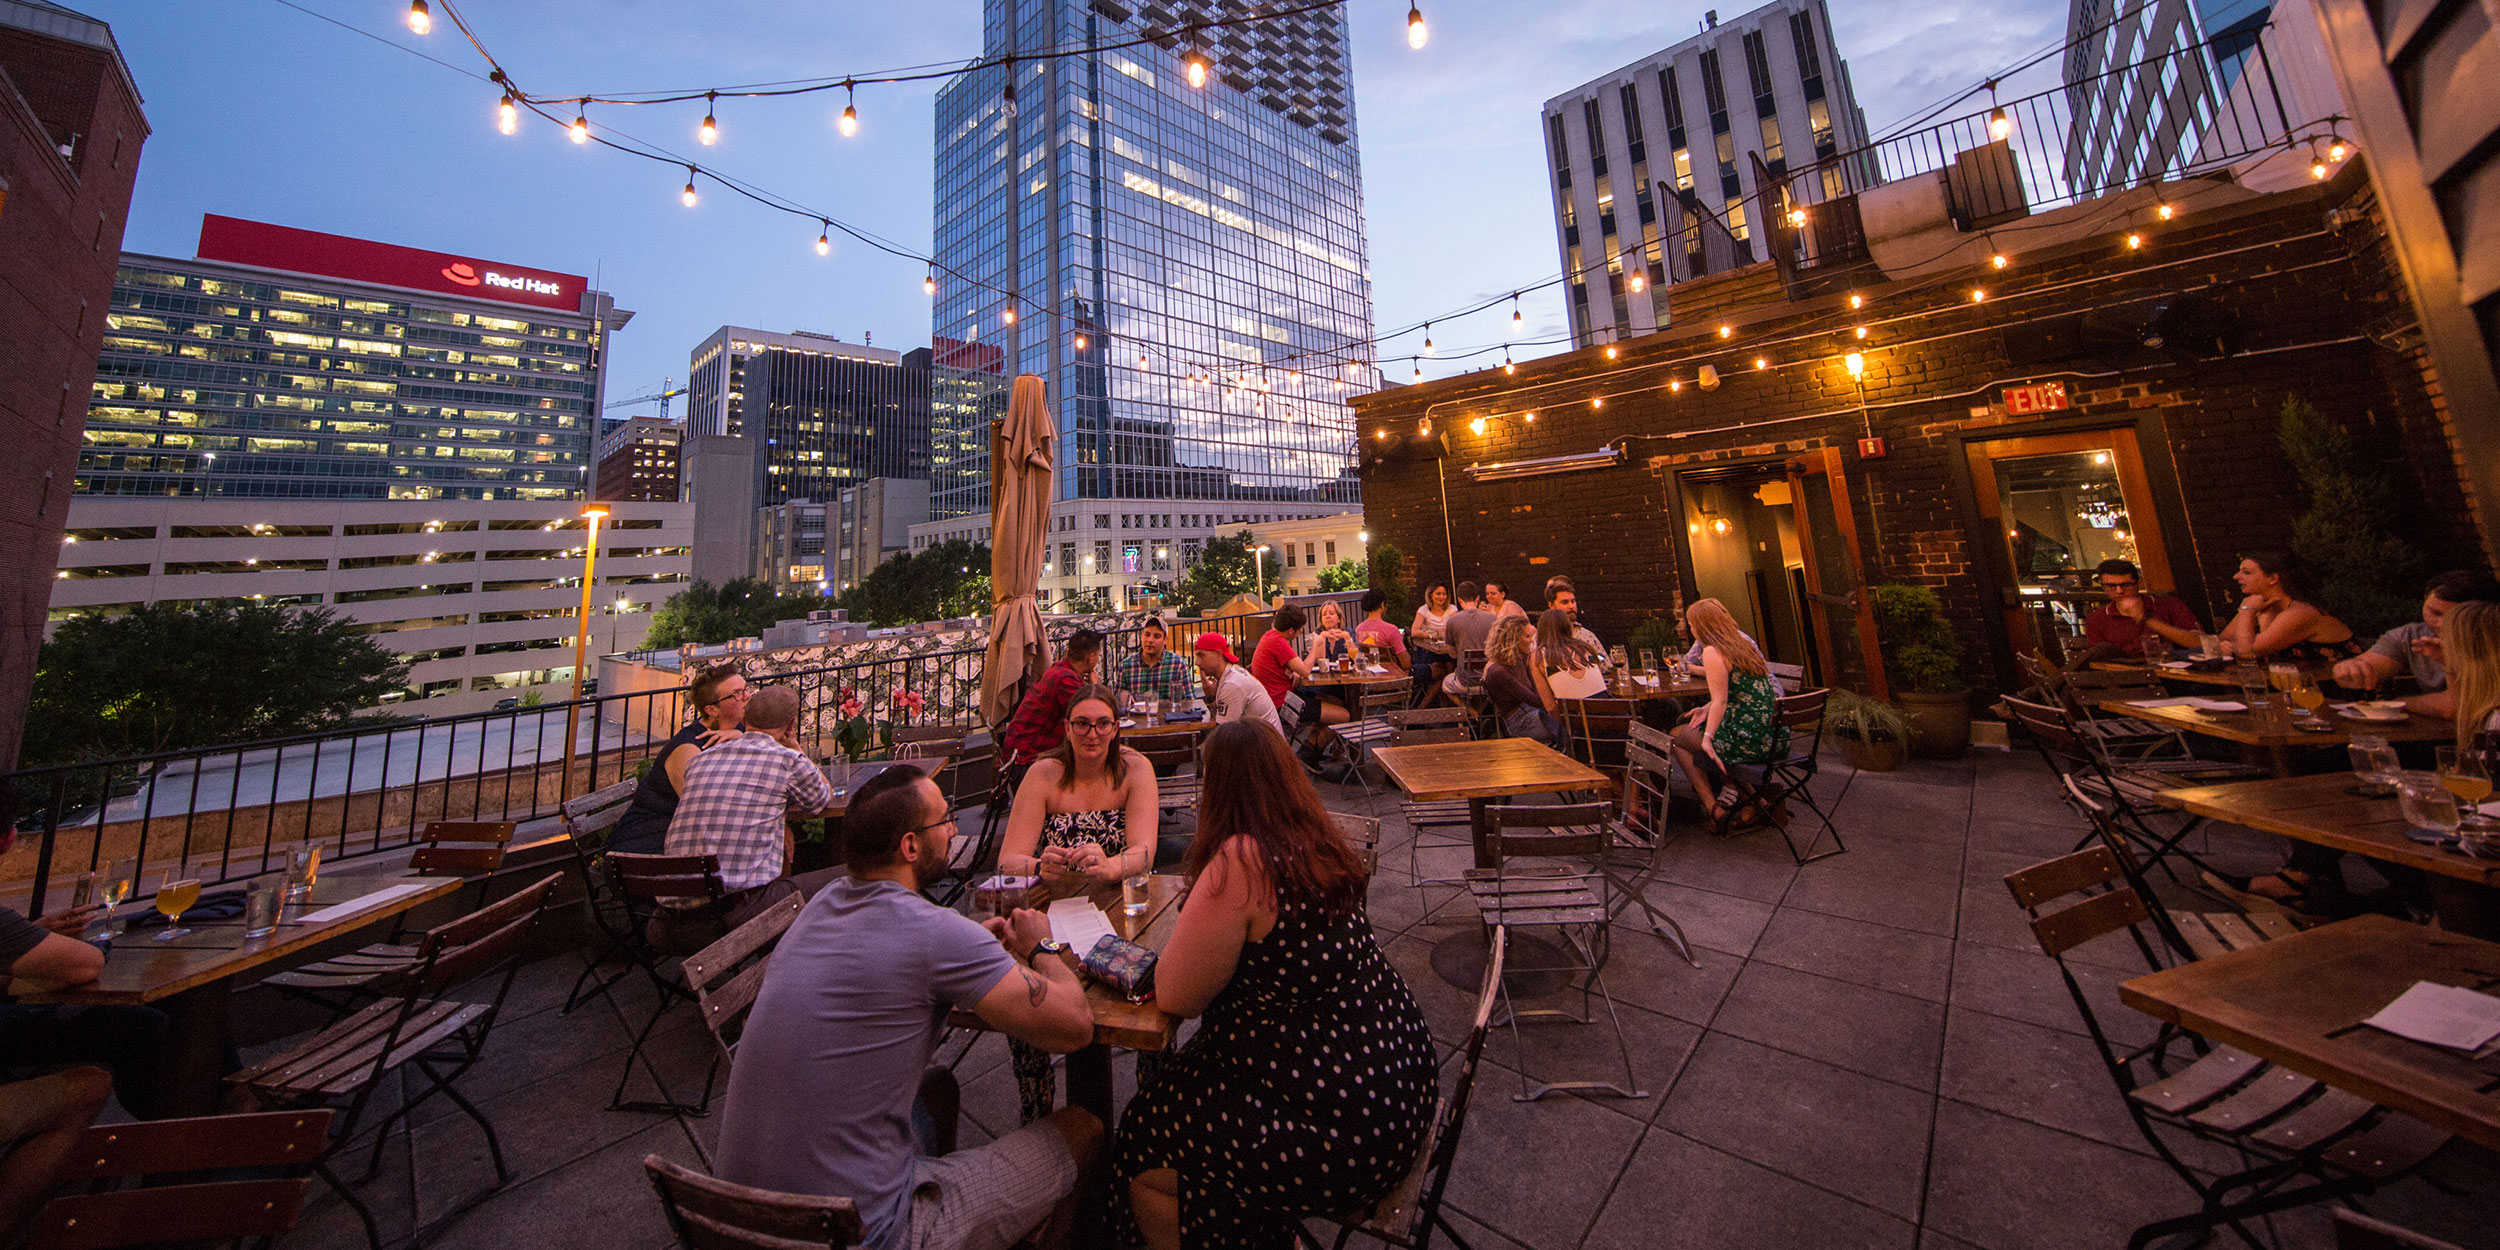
(1258, 564)
(593, 514)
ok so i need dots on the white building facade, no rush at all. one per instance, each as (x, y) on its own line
(1131, 549)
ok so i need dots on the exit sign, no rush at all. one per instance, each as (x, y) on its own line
(2039, 397)
(1871, 448)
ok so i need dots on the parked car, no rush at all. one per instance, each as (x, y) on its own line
(507, 703)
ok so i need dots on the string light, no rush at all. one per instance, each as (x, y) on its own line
(1596, 402)
(824, 240)
(1727, 332)
(1675, 386)
(1978, 296)
(1427, 338)
(1507, 366)
(1141, 362)
(1008, 317)
(580, 129)
(850, 110)
(1861, 331)
(1610, 351)
(1999, 125)
(2134, 241)
(1414, 26)
(1196, 64)
(1856, 300)
(420, 18)
(1761, 362)
(1080, 342)
(2000, 260)
(1637, 282)
(687, 195)
(1419, 371)
(1530, 418)
(2317, 164)
(1514, 314)
(928, 283)
(709, 131)
(2338, 149)
(1797, 218)
(2165, 210)
(1476, 426)
(1855, 363)
(507, 115)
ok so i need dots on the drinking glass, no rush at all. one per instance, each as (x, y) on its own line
(2426, 804)
(2156, 649)
(173, 898)
(2252, 682)
(303, 871)
(261, 900)
(2466, 776)
(1616, 657)
(1133, 895)
(1649, 660)
(114, 884)
(2208, 646)
(2307, 696)
(2374, 761)
(2282, 676)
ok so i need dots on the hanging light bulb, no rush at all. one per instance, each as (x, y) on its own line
(2165, 210)
(824, 240)
(850, 110)
(1797, 218)
(1861, 331)
(1528, 417)
(1514, 316)
(1196, 64)
(1637, 282)
(1855, 363)
(1727, 332)
(1141, 362)
(1761, 362)
(1507, 366)
(2338, 149)
(1414, 26)
(1419, 370)
(1999, 125)
(709, 131)
(1293, 375)
(420, 18)
(1008, 317)
(1675, 385)
(2317, 166)
(1427, 338)
(1856, 300)
(1978, 296)
(2000, 260)
(1476, 426)
(580, 129)
(687, 196)
(1080, 342)
(507, 115)
(1610, 351)
(2134, 241)
(1596, 402)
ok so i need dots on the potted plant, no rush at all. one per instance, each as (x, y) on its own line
(1656, 635)
(1873, 735)
(1923, 657)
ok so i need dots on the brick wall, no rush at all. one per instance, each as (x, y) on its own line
(2321, 312)
(60, 238)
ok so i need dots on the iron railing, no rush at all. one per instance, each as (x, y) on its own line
(226, 813)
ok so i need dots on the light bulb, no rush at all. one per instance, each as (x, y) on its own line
(1514, 317)
(507, 115)
(1507, 366)
(709, 131)
(420, 18)
(1530, 418)
(1855, 363)
(1196, 62)
(1637, 282)
(1141, 362)
(1978, 296)
(928, 284)
(2134, 241)
(1381, 434)
(2165, 211)
(1596, 402)
(1857, 301)
(1080, 342)
(1861, 331)
(1797, 218)
(1414, 27)
(1727, 332)
(1476, 426)
(687, 195)
(1419, 373)
(2337, 150)
(1761, 362)
(580, 129)
(1675, 385)
(1008, 317)
(850, 111)
(2317, 169)
(1610, 351)
(1427, 338)
(824, 242)
(1999, 125)
(2000, 260)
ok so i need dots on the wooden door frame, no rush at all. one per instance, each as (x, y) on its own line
(1827, 461)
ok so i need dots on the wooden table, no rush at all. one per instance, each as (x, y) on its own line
(1694, 686)
(847, 777)
(189, 978)
(2274, 737)
(2219, 677)
(2322, 809)
(2299, 1001)
(1117, 1021)
(1480, 772)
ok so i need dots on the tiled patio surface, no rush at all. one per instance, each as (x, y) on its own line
(1870, 1054)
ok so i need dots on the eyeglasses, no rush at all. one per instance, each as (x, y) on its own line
(940, 822)
(1093, 726)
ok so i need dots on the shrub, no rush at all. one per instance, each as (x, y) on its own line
(2369, 577)
(1655, 634)
(1851, 715)
(1921, 651)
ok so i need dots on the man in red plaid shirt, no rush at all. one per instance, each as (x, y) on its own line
(1040, 722)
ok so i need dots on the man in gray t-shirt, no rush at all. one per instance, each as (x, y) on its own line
(2413, 647)
(1468, 628)
(820, 1100)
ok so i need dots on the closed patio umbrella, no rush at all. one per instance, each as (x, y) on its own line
(1020, 490)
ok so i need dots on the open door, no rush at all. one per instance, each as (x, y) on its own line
(2060, 504)
(1841, 615)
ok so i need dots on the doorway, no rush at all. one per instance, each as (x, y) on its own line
(1777, 543)
(2058, 505)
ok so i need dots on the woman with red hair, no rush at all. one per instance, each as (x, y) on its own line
(1310, 1082)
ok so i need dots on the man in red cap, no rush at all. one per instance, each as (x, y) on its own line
(1232, 693)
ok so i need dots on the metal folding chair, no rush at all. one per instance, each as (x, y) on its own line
(1576, 905)
(1788, 778)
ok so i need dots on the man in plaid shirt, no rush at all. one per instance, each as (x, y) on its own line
(737, 798)
(1040, 722)
(1153, 668)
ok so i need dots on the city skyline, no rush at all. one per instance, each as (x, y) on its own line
(1454, 163)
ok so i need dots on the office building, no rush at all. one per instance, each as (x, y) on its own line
(1099, 547)
(716, 473)
(70, 133)
(2139, 93)
(823, 414)
(790, 548)
(870, 524)
(638, 461)
(1306, 546)
(1769, 85)
(1114, 230)
(968, 392)
(480, 597)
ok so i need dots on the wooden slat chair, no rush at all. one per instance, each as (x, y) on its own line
(2191, 934)
(642, 881)
(1375, 724)
(935, 748)
(1639, 834)
(423, 1032)
(1464, 686)
(1423, 728)
(589, 821)
(727, 975)
(2355, 1231)
(2285, 1126)
(1599, 727)
(1177, 790)
(2154, 831)
(147, 1183)
(710, 1214)
(1576, 904)
(343, 983)
(2125, 738)
(1363, 834)
(1767, 789)
(1411, 1213)
(1791, 677)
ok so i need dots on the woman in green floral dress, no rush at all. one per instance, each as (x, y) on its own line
(1741, 724)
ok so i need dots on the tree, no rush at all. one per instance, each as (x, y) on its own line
(948, 580)
(165, 678)
(2371, 579)
(739, 608)
(1345, 575)
(1389, 576)
(1224, 570)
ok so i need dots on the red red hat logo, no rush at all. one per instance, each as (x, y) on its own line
(461, 273)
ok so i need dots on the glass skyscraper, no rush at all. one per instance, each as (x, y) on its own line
(1107, 226)
(827, 414)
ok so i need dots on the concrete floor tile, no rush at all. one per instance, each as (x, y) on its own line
(2028, 988)
(1892, 1036)
(1681, 1193)
(1562, 1051)
(1853, 1134)
(1723, 922)
(550, 1212)
(1646, 974)
(1886, 958)
(1839, 889)
(2008, 1184)
(1537, 1172)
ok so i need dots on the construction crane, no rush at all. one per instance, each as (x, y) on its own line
(663, 395)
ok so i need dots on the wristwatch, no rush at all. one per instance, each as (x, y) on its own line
(1047, 946)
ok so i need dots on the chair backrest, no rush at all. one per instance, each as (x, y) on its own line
(279, 1139)
(213, 1214)
(710, 1214)
(1425, 735)
(1383, 701)
(1403, 1218)
(1790, 676)
(647, 877)
(1471, 662)
(589, 817)
(2085, 687)
(163, 1150)
(460, 848)
(2052, 729)
(728, 974)
(1364, 833)
(1555, 829)
(1429, 717)
(2355, 1231)
(2035, 673)
(483, 942)
(1177, 751)
(1802, 715)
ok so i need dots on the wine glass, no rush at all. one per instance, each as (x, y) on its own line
(2374, 761)
(2465, 775)
(2306, 695)
(173, 898)
(1649, 660)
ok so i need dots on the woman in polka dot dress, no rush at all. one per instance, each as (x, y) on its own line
(1310, 1082)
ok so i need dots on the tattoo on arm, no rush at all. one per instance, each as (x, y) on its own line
(1035, 987)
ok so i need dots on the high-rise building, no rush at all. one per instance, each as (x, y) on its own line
(870, 524)
(1111, 228)
(2144, 79)
(638, 460)
(790, 548)
(70, 130)
(1769, 85)
(284, 363)
(968, 390)
(824, 414)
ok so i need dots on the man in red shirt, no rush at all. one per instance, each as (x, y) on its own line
(2131, 616)
(1040, 722)
(1279, 666)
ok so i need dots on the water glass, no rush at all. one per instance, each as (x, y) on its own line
(2426, 804)
(1133, 895)
(303, 871)
(261, 900)
(2156, 648)
(2374, 761)
(1649, 660)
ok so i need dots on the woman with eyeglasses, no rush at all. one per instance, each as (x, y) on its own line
(1085, 814)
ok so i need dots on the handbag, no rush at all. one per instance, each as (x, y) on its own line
(1123, 965)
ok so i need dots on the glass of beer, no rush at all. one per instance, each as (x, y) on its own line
(2465, 775)
(303, 869)
(2306, 695)
(173, 898)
